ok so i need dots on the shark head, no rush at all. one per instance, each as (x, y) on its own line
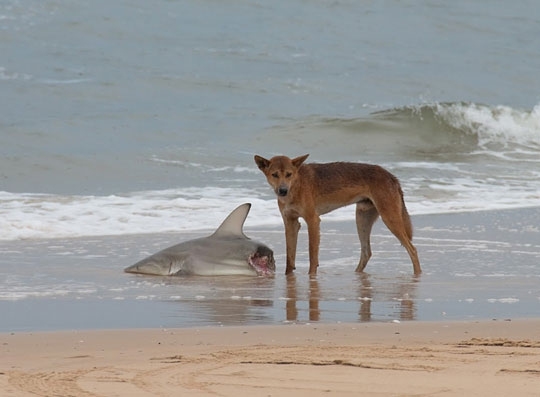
(262, 261)
(228, 251)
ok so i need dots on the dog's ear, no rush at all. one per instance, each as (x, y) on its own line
(261, 162)
(297, 162)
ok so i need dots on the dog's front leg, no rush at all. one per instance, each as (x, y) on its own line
(314, 235)
(292, 226)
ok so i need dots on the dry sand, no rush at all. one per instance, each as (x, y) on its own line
(489, 358)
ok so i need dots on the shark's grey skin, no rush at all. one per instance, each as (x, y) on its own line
(226, 252)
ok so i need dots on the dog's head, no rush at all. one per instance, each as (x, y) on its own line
(280, 171)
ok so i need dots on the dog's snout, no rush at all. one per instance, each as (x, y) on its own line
(282, 191)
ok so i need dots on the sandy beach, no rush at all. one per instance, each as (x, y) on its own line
(487, 358)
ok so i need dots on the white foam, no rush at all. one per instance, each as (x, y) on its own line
(465, 275)
(503, 300)
(206, 167)
(48, 216)
(20, 291)
(30, 215)
(494, 124)
(7, 75)
(145, 297)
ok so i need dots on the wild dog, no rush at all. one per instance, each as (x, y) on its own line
(310, 190)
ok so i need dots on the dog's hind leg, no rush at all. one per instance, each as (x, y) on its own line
(398, 226)
(366, 215)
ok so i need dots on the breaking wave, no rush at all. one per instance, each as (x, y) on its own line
(437, 128)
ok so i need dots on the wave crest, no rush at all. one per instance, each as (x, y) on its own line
(454, 127)
(499, 124)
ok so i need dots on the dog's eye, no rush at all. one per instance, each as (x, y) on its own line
(275, 175)
(288, 174)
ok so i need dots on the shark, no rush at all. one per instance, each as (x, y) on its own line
(228, 251)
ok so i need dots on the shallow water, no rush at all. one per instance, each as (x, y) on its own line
(480, 266)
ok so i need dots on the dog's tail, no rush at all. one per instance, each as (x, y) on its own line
(405, 216)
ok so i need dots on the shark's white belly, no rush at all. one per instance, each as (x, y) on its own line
(223, 267)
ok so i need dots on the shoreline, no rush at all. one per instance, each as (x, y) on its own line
(480, 265)
(278, 227)
(423, 358)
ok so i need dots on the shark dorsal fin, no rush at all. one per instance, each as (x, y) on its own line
(234, 223)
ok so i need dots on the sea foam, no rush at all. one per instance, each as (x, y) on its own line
(28, 215)
(494, 124)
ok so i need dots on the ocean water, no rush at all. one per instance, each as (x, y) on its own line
(121, 118)
(132, 117)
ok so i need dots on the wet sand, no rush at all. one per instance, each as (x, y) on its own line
(481, 265)
(488, 358)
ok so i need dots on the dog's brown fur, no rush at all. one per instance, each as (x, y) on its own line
(311, 190)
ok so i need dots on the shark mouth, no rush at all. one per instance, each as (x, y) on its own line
(262, 261)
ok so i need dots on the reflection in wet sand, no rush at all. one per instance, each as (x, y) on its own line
(403, 291)
(292, 299)
(314, 298)
(226, 300)
(291, 311)
(365, 296)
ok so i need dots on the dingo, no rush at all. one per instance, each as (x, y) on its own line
(311, 190)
